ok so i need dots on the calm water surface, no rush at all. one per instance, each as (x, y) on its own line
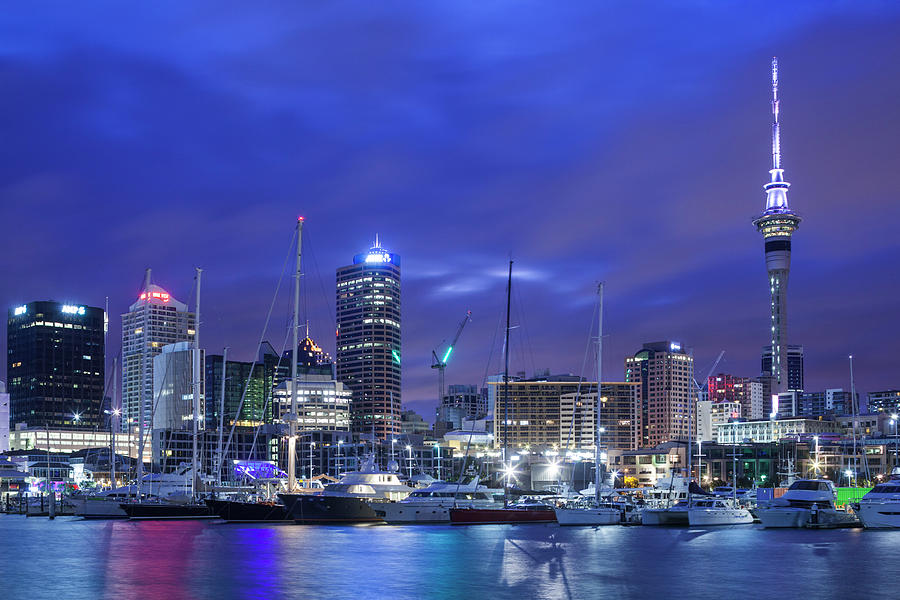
(71, 558)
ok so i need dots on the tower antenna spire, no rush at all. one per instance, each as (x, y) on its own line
(776, 131)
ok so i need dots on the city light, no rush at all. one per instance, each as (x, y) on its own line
(19, 310)
(70, 309)
(447, 355)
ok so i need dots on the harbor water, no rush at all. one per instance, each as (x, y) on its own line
(72, 558)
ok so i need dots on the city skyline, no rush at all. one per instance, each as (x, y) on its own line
(578, 185)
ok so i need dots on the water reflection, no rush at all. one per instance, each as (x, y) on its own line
(176, 560)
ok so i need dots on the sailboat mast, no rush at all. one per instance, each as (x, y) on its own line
(598, 480)
(195, 456)
(506, 388)
(112, 427)
(854, 411)
(144, 361)
(292, 433)
(221, 459)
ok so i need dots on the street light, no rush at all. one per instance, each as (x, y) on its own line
(409, 449)
(76, 417)
(338, 469)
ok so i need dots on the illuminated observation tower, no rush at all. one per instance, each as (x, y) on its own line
(777, 224)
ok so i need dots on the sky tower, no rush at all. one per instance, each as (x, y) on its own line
(777, 224)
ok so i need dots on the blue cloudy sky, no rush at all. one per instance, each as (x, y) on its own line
(622, 141)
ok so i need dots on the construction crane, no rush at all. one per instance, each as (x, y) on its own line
(440, 363)
(711, 371)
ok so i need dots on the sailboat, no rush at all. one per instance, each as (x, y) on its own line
(154, 509)
(523, 512)
(595, 513)
(720, 511)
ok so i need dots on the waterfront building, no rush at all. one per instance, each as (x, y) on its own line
(4, 418)
(412, 422)
(731, 388)
(69, 440)
(174, 387)
(155, 320)
(257, 378)
(558, 412)
(460, 402)
(830, 402)
(368, 339)
(777, 224)
(323, 403)
(619, 417)
(772, 430)
(665, 374)
(793, 354)
(55, 364)
(648, 465)
(710, 414)
(886, 401)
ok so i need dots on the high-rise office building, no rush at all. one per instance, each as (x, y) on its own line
(777, 224)
(155, 320)
(55, 364)
(368, 339)
(174, 387)
(460, 402)
(793, 355)
(665, 372)
(252, 382)
(730, 388)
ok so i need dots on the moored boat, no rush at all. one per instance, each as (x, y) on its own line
(880, 508)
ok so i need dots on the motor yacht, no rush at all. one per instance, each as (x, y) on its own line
(880, 508)
(350, 499)
(717, 511)
(807, 503)
(433, 503)
(174, 487)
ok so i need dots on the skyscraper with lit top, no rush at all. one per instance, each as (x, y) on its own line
(777, 224)
(368, 339)
(153, 321)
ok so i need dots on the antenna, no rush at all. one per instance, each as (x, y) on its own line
(776, 133)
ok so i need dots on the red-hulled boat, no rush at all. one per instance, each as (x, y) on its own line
(523, 512)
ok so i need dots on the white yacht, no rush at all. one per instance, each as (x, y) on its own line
(433, 503)
(880, 508)
(807, 503)
(717, 511)
(173, 487)
(677, 514)
(589, 512)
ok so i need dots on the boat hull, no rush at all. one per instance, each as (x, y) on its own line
(99, 508)
(321, 509)
(699, 517)
(664, 517)
(166, 512)
(783, 517)
(588, 516)
(881, 515)
(487, 516)
(249, 512)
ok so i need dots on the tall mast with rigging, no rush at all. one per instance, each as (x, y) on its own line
(506, 389)
(195, 455)
(295, 325)
(598, 479)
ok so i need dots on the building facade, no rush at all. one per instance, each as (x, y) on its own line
(55, 364)
(711, 414)
(258, 379)
(368, 339)
(174, 387)
(153, 321)
(886, 401)
(731, 388)
(772, 430)
(793, 355)
(664, 372)
(619, 417)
